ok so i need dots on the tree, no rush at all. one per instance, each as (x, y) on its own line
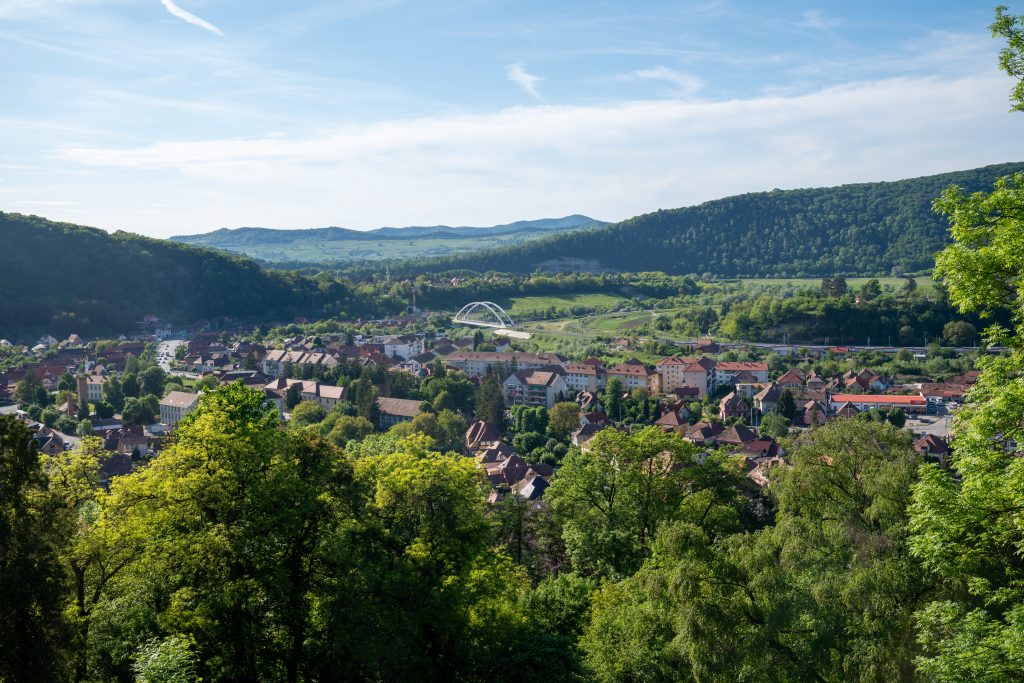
(307, 413)
(774, 424)
(30, 390)
(870, 290)
(563, 418)
(348, 428)
(293, 395)
(787, 404)
(130, 384)
(490, 403)
(613, 498)
(612, 399)
(967, 529)
(140, 411)
(152, 381)
(959, 333)
(833, 287)
(84, 428)
(67, 382)
(909, 285)
(896, 417)
(33, 632)
(827, 593)
(1011, 58)
(104, 410)
(113, 392)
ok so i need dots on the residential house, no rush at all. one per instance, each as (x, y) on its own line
(391, 411)
(404, 346)
(276, 362)
(733, 406)
(767, 400)
(934, 446)
(794, 378)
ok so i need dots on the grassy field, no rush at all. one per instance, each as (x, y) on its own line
(923, 281)
(533, 306)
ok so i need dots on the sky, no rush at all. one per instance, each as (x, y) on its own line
(169, 117)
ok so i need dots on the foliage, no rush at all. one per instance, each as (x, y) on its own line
(34, 635)
(867, 228)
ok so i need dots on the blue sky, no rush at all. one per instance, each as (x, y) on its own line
(169, 117)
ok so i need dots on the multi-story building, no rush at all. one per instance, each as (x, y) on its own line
(478, 363)
(176, 405)
(535, 387)
(583, 377)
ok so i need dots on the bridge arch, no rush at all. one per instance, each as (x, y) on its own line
(483, 314)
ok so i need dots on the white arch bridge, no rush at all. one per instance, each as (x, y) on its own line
(483, 314)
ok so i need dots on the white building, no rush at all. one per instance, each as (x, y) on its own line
(176, 405)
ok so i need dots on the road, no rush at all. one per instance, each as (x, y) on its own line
(165, 351)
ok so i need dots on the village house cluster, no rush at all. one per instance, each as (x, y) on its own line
(744, 392)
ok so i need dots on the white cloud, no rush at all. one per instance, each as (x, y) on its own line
(189, 17)
(527, 81)
(814, 19)
(683, 83)
(609, 161)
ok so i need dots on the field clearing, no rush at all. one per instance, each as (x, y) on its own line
(528, 306)
(923, 282)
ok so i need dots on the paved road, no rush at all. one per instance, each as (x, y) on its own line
(165, 352)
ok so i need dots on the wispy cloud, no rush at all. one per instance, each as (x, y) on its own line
(683, 83)
(814, 19)
(609, 160)
(190, 18)
(528, 82)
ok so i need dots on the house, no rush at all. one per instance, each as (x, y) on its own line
(176, 405)
(391, 411)
(908, 404)
(635, 375)
(673, 421)
(813, 414)
(933, 445)
(277, 362)
(737, 436)
(733, 406)
(254, 379)
(418, 363)
(704, 433)
(480, 435)
(846, 411)
(404, 346)
(582, 436)
(794, 378)
(90, 388)
(325, 395)
(767, 400)
(541, 387)
(588, 401)
(580, 377)
(726, 371)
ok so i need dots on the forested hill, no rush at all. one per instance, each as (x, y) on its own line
(60, 278)
(863, 229)
(315, 246)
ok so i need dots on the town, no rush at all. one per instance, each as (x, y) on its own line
(131, 394)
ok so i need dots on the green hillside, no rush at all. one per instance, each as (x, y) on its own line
(61, 278)
(863, 229)
(317, 246)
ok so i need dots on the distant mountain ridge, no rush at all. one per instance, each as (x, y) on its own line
(337, 245)
(867, 229)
